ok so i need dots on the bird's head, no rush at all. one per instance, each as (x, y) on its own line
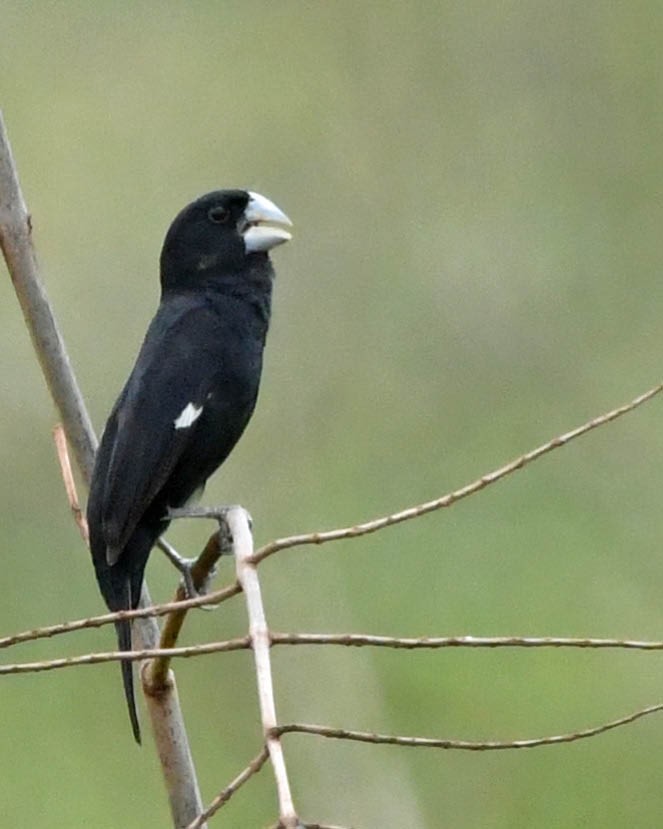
(217, 234)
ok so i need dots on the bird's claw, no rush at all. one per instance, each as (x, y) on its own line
(185, 567)
(187, 581)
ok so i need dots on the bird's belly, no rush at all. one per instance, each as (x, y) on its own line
(216, 433)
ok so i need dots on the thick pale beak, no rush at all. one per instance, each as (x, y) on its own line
(266, 225)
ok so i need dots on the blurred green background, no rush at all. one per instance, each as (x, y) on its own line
(476, 192)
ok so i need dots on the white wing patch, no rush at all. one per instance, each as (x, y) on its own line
(188, 416)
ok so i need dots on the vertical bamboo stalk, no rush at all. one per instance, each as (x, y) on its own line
(19, 253)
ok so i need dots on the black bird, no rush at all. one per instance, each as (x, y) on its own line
(191, 392)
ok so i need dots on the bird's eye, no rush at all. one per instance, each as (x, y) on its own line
(218, 215)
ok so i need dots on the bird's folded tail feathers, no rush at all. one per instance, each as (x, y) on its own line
(123, 630)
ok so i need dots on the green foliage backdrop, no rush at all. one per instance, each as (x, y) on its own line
(476, 192)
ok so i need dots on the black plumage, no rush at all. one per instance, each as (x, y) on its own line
(191, 392)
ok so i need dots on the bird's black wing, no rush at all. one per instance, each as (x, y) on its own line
(155, 416)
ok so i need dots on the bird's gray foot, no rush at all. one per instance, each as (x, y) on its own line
(185, 567)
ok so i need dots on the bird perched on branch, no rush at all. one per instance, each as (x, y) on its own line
(191, 392)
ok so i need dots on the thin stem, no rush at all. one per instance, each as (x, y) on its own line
(239, 644)
(342, 639)
(237, 520)
(432, 642)
(465, 745)
(224, 796)
(60, 440)
(452, 497)
(217, 597)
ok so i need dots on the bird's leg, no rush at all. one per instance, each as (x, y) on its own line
(183, 565)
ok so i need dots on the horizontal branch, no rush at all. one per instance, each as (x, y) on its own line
(452, 497)
(224, 796)
(431, 642)
(214, 598)
(466, 745)
(348, 639)
(313, 826)
(241, 643)
(342, 639)
(233, 589)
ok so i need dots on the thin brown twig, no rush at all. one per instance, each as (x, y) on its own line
(342, 639)
(452, 497)
(224, 796)
(241, 643)
(431, 642)
(60, 439)
(223, 594)
(465, 745)
(214, 598)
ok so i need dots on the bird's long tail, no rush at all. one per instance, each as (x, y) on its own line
(123, 630)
